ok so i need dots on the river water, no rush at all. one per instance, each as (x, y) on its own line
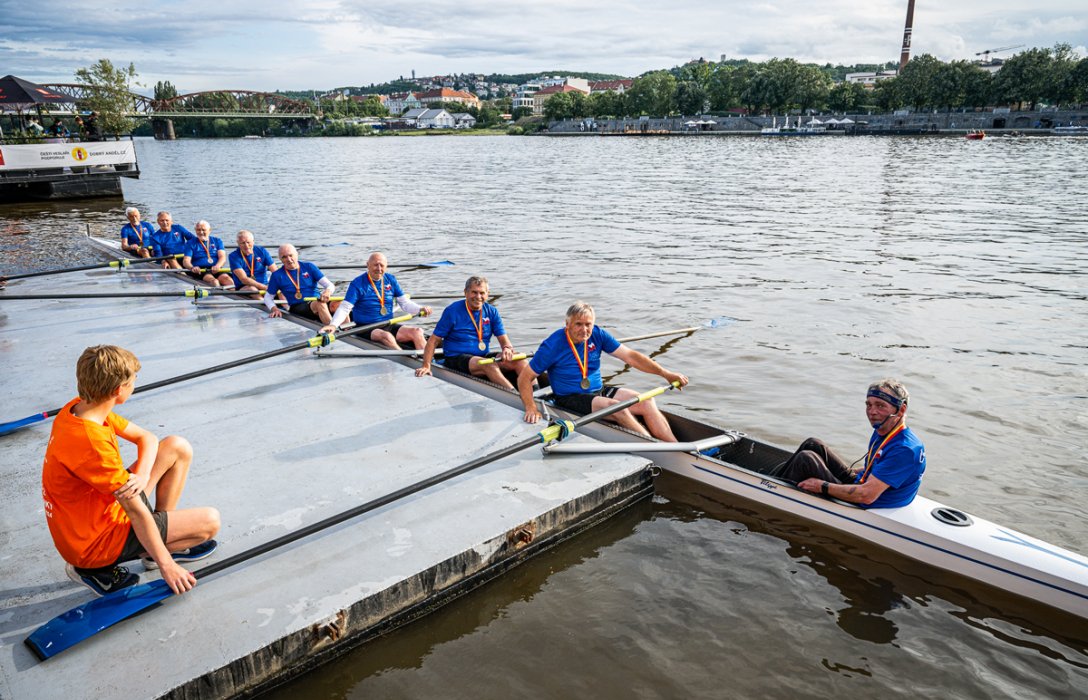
(818, 265)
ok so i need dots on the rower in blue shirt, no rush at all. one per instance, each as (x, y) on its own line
(205, 256)
(465, 330)
(250, 265)
(893, 466)
(170, 239)
(304, 286)
(572, 358)
(370, 299)
(136, 234)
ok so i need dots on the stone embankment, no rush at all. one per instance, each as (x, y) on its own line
(941, 122)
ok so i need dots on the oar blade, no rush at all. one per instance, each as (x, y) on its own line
(12, 426)
(438, 263)
(72, 627)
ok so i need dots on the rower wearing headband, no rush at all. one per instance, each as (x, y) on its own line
(572, 358)
(889, 474)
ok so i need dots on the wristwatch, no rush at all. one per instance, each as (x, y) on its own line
(823, 488)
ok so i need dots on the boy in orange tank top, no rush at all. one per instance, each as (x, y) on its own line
(98, 510)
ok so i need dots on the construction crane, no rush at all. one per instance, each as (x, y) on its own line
(986, 54)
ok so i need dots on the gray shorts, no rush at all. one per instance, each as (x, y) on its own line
(133, 549)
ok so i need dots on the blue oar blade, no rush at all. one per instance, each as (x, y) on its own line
(437, 263)
(720, 322)
(14, 425)
(70, 628)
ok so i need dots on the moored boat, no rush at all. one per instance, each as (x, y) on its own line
(976, 135)
(1070, 130)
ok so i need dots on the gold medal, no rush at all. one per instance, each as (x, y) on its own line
(585, 383)
(298, 295)
(482, 345)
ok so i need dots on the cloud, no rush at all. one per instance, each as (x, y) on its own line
(324, 43)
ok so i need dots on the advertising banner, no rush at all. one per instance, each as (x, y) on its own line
(38, 156)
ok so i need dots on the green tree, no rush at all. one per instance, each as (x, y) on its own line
(654, 94)
(1026, 77)
(691, 97)
(109, 94)
(1060, 88)
(164, 90)
(559, 106)
(915, 85)
(1078, 79)
(811, 87)
(846, 97)
(723, 89)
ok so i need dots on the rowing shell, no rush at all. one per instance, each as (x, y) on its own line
(925, 530)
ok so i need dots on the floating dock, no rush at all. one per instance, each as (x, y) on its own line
(279, 444)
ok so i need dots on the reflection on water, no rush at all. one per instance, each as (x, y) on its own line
(959, 267)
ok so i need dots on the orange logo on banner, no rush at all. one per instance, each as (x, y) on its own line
(80, 154)
(1, 157)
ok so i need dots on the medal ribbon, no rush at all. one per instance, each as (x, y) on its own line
(871, 457)
(479, 327)
(251, 265)
(380, 295)
(297, 282)
(583, 362)
(208, 251)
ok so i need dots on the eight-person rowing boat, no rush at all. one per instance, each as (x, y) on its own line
(875, 502)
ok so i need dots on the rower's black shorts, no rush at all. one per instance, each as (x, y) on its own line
(583, 403)
(199, 276)
(458, 363)
(391, 328)
(303, 309)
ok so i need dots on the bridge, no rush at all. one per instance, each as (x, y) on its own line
(227, 104)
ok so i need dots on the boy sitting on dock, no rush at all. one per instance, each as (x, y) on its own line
(98, 510)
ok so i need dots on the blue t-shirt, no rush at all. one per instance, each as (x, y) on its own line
(200, 256)
(459, 334)
(366, 304)
(141, 235)
(171, 242)
(260, 261)
(900, 465)
(307, 275)
(555, 357)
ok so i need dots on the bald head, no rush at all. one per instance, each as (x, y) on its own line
(375, 265)
(288, 256)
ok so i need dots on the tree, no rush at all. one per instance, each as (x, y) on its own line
(653, 93)
(811, 87)
(1078, 79)
(1026, 77)
(691, 97)
(164, 90)
(723, 89)
(559, 106)
(915, 83)
(846, 97)
(109, 94)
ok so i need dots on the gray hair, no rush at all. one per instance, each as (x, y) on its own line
(164, 213)
(476, 280)
(580, 308)
(892, 388)
(130, 210)
(205, 223)
(244, 232)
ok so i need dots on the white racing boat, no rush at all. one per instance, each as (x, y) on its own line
(925, 530)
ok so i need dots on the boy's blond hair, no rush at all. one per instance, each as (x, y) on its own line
(102, 369)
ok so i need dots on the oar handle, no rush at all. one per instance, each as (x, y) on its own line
(563, 428)
(493, 360)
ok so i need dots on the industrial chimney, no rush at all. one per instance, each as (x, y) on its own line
(905, 55)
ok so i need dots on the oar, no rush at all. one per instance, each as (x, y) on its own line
(631, 339)
(120, 263)
(175, 270)
(362, 266)
(315, 342)
(197, 292)
(79, 623)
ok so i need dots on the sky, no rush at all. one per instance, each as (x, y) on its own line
(322, 44)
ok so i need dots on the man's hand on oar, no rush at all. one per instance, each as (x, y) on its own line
(72, 627)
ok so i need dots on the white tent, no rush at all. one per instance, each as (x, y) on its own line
(692, 123)
(814, 122)
(832, 120)
(846, 120)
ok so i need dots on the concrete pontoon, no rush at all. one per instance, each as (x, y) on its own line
(279, 444)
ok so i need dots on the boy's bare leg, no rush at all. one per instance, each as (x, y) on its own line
(191, 526)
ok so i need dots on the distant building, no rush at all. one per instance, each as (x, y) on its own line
(542, 96)
(463, 120)
(400, 101)
(617, 86)
(870, 79)
(423, 118)
(445, 94)
(523, 96)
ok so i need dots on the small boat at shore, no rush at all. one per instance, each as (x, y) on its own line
(814, 128)
(730, 462)
(976, 135)
(1070, 130)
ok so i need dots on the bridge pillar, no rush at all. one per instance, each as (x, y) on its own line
(164, 129)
